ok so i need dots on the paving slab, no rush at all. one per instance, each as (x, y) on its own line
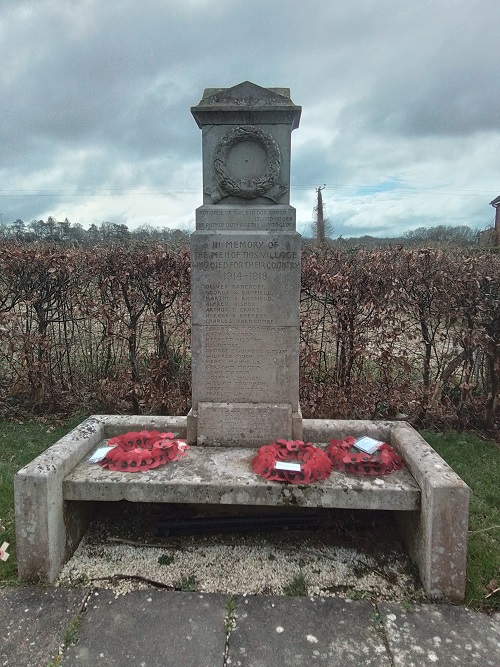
(444, 635)
(33, 621)
(150, 628)
(298, 631)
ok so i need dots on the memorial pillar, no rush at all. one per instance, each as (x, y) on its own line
(245, 272)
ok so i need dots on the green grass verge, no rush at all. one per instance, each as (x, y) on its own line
(477, 461)
(20, 443)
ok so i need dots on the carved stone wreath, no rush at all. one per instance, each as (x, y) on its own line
(248, 188)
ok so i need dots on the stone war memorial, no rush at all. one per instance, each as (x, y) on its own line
(245, 272)
(245, 283)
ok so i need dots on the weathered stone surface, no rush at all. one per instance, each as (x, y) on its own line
(247, 219)
(245, 278)
(153, 628)
(324, 430)
(427, 635)
(117, 424)
(224, 476)
(41, 532)
(432, 511)
(48, 529)
(33, 622)
(243, 424)
(263, 120)
(246, 104)
(245, 264)
(245, 365)
(267, 631)
(436, 537)
(301, 631)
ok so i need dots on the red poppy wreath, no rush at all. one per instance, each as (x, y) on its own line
(343, 457)
(135, 452)
(309, 464)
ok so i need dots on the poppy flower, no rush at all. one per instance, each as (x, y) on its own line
(142, 450)
(382, 462)
(314, 463)
(3, 551)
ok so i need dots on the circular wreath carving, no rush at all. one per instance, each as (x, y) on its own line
(314, 463)
(343, 457)
(246, 188)
(143, 450)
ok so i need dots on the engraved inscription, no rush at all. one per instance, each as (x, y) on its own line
(245, 255)
(241, 304)
(270, 219)
(243, 363)
(245, 316)
(245, 282)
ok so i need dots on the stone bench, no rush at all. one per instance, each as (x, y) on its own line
(55, 493)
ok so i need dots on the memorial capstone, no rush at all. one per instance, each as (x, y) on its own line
(245, 272)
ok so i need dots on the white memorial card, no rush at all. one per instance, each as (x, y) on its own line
(287, 465)
(99, 454)
(367, 445)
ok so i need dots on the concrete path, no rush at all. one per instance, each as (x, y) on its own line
(53, 627)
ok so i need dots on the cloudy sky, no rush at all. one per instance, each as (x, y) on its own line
(400, 98)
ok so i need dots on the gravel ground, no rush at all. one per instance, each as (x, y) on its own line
(356, 555)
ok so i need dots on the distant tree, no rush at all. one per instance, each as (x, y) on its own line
(76, 232)
(321, 227)
(18, 228)
(442, 234)
(93, 234)
(63, 230)
(50, 228)
(158, 234)
(146, 233)
(111, 231)
(37, 229)
(175, 234)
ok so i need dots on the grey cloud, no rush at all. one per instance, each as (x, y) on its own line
(445, 82)
(104, 88)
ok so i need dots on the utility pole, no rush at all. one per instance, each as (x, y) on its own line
(496, 205)
(320, 216)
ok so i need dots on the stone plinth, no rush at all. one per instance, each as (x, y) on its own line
(245, 272)
(244, 341)
(245, 288)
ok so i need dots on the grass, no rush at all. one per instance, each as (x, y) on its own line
(187, 584)
(20, 443)
(477, 461)
(69, 637)
(166, 559)
(230, 611)
(297, 586)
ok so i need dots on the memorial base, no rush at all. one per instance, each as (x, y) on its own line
(242, 424)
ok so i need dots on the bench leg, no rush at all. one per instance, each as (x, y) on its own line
(436, 537)
(48, 529)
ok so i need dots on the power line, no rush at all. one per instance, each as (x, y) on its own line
(355, 189)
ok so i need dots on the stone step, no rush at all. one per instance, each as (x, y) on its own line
(223, 475)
